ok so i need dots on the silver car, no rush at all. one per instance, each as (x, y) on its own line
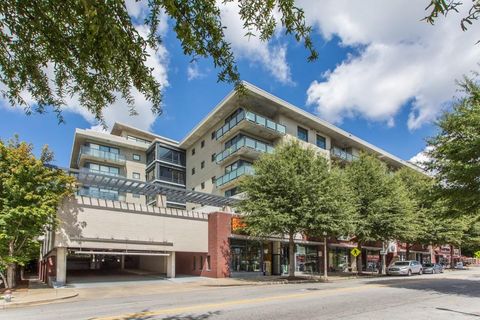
(405, 268)
(432, 268)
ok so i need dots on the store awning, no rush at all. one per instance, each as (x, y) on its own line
(121, 184)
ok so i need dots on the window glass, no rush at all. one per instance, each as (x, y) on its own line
(321, 142)
(302, 134)
(136, 157)
(136, 175)
(151, 174)
(202, 164)
(171, 175)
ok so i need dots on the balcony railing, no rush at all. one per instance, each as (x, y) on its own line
(234, 174)
(247, 143)
(113, 174)
(252, 117)
(100, 194)
(342, 154)
(84, 150)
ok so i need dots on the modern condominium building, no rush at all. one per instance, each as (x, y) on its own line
(150, 203)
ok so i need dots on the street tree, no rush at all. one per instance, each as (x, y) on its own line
(293, 192)
(92, 49)
(382, 201)
(454, 152)
(444, 7)
(30, 192)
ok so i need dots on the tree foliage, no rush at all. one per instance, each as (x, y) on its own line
(30, 193)
(293, 191)
(52, 49)
(443, 7)
(455, 152)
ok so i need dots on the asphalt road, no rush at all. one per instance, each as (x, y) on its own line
(455, 295)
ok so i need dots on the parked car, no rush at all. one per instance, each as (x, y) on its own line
(432, 268)
(459, 265)
(408, 268)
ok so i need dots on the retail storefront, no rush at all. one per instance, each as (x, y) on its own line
(339, 259)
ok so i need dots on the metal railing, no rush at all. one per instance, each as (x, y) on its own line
(84, 150)
(234, 174)
(86, 170)
(100, 194)
(252, 117)
(342, 154)
(244, 142)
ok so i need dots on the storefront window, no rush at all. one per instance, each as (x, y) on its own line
(247, 256)
(306, 259)
(338, 259)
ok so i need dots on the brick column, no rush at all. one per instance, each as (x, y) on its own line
(219, 230)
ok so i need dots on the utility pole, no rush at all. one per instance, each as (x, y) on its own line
(325, 256)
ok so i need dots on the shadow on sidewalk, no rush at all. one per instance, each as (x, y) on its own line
(145, 316)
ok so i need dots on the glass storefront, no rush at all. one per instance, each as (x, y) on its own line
(306, 259)
(339, 259)
(249, 256)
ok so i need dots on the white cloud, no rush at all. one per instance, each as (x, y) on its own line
(194, 72)
(272, 57)
(420, 158)
(400, 59)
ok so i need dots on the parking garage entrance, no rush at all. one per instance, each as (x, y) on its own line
(90, 267)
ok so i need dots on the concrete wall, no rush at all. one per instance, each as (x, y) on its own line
(96, 223)
(153, 263)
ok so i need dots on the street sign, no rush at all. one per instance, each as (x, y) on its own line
(477, 254)
(355, 252)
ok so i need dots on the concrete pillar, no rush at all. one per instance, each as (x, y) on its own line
(122, 262)
(61, 265)
(171, 265)
(161, 201)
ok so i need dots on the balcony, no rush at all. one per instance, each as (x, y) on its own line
(99, 194)
(342, 154)
(225, 180)
(247, 147)
(251, 123)
(88, 170)
(87, 153)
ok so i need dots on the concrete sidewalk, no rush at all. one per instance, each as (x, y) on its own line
(36, 293)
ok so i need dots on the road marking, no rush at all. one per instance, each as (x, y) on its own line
(234, 303)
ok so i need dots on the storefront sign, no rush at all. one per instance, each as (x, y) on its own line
(237, 224)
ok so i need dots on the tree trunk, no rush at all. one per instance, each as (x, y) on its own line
(291, 256)
(452, 266)
(11, 283)
(4, 279)
(384, 258)
(407, 251)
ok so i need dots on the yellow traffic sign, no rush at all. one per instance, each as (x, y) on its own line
(477, 254)
(355, 252)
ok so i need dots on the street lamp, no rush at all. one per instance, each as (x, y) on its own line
(325, 255)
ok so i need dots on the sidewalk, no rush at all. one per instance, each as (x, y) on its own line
(36, 293)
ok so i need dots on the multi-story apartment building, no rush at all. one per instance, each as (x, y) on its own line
(151, 203)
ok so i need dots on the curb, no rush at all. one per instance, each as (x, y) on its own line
(36, 302)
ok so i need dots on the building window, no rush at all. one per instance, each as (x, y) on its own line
(201, 262)
(202, 144)
(98, 168)
(213, 156)
(202, 164)
(194, 262)
(213, 135)
(136, 175)
(302, 134)
(193, 189)
(193, 171)
(172, 175)
(137, 157)
(208, 263)
(202, 185)
(231, 192)
(193, 151)
(321, 142)
(169, 155)
(137, 139)
(213, 179)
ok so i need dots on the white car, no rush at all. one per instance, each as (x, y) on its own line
(407, 268)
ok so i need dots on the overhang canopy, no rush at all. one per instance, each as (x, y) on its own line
(174, 194)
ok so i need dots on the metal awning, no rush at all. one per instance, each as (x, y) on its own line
(174, 194)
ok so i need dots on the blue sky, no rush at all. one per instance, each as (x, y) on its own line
(384, 80)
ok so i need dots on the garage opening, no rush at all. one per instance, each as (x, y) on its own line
(94, 267)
